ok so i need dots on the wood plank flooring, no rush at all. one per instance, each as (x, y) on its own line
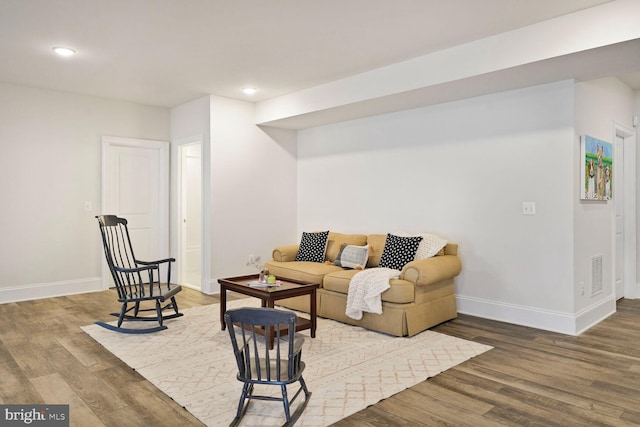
(530, 378)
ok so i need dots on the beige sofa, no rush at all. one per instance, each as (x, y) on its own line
(422, 297)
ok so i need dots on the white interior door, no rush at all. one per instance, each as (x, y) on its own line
(624, 198)
(619, 201)
(135, 179)
(191, 215)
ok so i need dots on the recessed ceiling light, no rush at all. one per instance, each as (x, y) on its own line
(249, 90)
(64, 51)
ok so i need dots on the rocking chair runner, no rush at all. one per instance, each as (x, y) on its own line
(136, 281)
(257, 364)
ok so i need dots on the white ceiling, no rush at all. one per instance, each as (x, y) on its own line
(168, 52)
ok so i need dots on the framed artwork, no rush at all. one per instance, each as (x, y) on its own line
(597, 169)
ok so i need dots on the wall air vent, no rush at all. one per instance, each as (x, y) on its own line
(596, 274)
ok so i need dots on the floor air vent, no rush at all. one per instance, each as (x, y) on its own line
(596, 274)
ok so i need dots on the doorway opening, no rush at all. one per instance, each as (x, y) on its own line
(624, 199)
(190, 224)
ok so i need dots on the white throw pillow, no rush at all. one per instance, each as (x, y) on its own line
(429, 246)
(351, 256)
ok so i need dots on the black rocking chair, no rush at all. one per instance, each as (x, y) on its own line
(250, 330)
(136, 281)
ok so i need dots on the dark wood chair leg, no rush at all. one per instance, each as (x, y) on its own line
(123, 310)
(159, 311)
(174, 304)
(285, 402)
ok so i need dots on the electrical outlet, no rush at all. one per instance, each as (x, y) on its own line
(528, 208)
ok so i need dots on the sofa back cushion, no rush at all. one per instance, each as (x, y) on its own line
(450, 249)
(336, 240)
(376, 246)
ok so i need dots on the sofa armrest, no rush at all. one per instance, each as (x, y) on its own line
(432, 270)
(285, 253)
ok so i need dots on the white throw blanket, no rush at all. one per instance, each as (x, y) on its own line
(365, 289)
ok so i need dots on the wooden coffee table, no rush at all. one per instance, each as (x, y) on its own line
(269, 295)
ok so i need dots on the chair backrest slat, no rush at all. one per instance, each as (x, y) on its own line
(119, 255)
(255, 360)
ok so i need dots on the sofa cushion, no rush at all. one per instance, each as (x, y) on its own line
(376, 246)
(336, 240)
(312, 246)
(399, 251)
(400, 292)
(352, 256)
(303, 271)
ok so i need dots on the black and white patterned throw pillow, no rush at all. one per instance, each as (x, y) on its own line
(398, 251)
(312, 246)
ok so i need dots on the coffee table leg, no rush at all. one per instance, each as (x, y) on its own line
(270, 303)
(223, 306)
(312, 307)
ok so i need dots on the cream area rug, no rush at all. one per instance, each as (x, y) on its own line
(347, 367)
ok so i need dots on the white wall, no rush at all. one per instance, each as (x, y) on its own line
(50, 166)
(636, 113)
(461, 170)
(253, 187)
(599, 104)
(191, 122)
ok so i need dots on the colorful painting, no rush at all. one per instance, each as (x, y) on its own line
(597, 169)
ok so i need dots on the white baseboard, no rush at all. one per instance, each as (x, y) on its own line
(211, 287)
(564, 323)
(595, 314)
(49, 290)
(187, 285)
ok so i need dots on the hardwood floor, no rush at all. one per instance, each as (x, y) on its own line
(530, 378)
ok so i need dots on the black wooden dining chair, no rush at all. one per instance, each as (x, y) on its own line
(136, 281)
(257, 364)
